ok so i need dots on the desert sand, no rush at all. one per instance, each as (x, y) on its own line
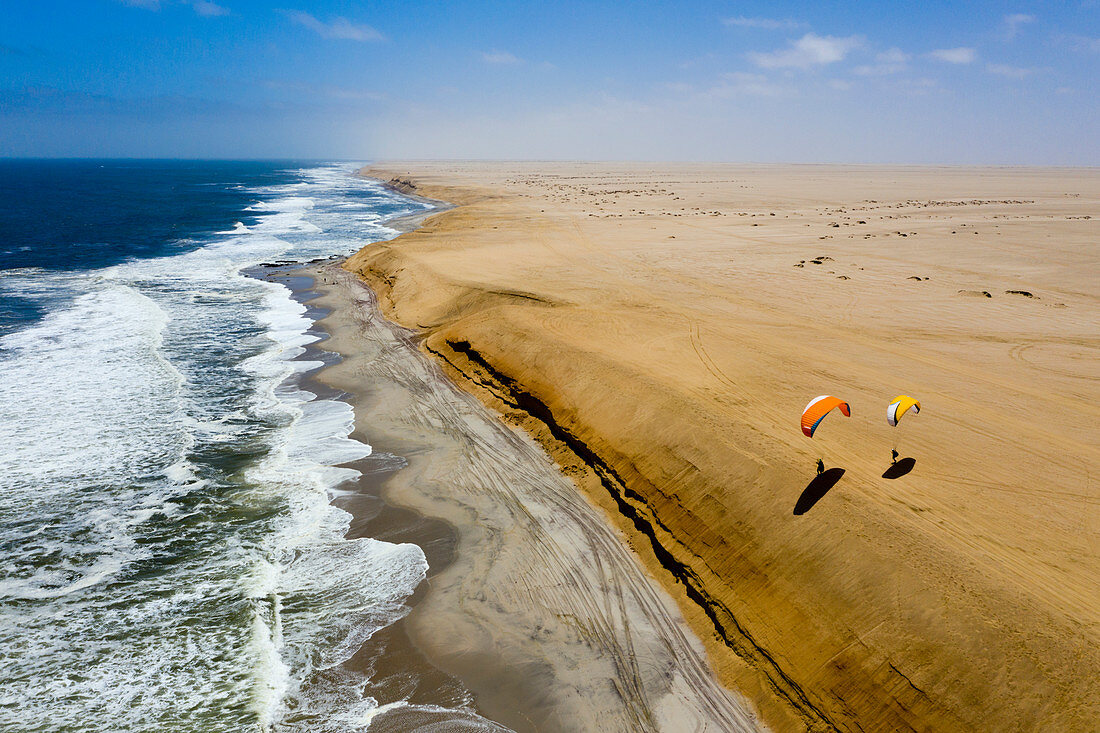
(659, 328)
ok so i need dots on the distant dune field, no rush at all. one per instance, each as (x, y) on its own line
(660, 328)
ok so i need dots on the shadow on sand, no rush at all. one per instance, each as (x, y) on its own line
(817, 489)
(899, 469)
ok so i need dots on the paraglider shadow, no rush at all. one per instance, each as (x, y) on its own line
(899, 469)
(816, 489)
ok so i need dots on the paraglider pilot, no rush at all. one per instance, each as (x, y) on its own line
(820, 467)
(893, 456)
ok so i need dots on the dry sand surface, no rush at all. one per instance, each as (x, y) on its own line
(540, 609)
(660, 328)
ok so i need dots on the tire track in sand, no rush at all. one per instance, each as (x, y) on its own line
(542, 590)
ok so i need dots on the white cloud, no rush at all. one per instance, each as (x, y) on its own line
(340, 28)
(888, 62)
(208, 9)
(353, 95)
(742, 83)
(202, 7)
(732, 85)
(770, 24)
(892, 56)
(500, 57)
(1083, 43)
(698, 61)
(1012, 72)
(1012, 24)
(955, 55)
(916, 87)
(810, 50)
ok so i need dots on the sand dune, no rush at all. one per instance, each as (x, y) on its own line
(660, 328)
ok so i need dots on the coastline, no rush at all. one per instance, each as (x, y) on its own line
(876, 656)
(409, 689)
(532, 603)
(410, 222)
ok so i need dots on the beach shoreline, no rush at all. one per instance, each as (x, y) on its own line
(410, 222)
(510, 294)
(609, 652)
(398, 675)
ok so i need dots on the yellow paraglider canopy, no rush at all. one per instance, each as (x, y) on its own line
(899, 406)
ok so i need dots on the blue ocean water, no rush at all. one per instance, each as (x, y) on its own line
(172, 561)
(85, 214)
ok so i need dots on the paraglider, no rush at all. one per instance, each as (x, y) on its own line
(899, 406)
(812, 416)
(816, 411)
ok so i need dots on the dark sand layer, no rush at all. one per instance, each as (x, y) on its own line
(532, 601)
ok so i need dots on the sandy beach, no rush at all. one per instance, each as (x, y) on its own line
(658, 329)
(534, 605)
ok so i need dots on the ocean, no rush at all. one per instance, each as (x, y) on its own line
(171, 559)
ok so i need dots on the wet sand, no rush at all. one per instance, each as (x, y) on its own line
(660, 328)
(535, 614)
(399, 677)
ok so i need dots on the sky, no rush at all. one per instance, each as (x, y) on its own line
(855, 82)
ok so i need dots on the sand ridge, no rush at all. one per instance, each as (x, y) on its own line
(665, 324)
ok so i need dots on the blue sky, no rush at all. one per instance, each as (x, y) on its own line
(938, 82)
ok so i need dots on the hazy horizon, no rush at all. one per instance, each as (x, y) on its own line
(982, 84)
(411, 160)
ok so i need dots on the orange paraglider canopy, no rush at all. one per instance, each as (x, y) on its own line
(816, 411)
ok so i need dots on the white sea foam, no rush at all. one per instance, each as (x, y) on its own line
(85, 399)
(346, 608)
(172, 558)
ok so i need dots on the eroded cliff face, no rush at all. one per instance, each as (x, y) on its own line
(404, 185)
(671, 397)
